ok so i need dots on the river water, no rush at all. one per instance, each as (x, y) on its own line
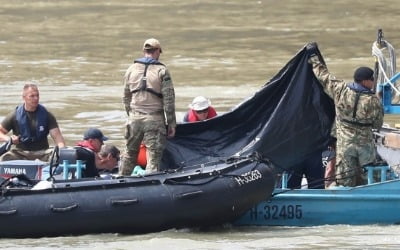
(77, 51)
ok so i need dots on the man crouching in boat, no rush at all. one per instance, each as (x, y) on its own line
(31, 123)
(99, 160)
(95, 155)
(358, 111)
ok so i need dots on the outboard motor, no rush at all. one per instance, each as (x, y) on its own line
(32, 169)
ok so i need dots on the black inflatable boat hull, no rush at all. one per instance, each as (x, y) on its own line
(204, 196)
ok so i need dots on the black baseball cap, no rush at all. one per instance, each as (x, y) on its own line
(94, 133)
(363, 73)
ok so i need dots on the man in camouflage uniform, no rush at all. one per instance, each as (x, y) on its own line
(149, 100)
(358, 111)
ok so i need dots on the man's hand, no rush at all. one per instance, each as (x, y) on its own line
(171, 132)
(15, 139)
(313, 53)
(312, 48)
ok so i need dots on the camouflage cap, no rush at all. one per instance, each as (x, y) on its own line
(152, 43)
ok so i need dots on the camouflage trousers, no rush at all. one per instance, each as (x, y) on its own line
(350, 160)
(149, 130)
(18, 154)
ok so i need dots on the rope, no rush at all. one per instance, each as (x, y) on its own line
(387, 66)
(218, 175)
(336, 176)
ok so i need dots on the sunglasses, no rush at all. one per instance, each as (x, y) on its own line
(202, 111)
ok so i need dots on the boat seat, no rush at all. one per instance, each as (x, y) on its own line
(68, 154)
(69, 165)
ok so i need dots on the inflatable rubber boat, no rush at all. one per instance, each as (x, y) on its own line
(198, 196)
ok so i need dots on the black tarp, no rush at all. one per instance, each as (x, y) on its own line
(286, 120)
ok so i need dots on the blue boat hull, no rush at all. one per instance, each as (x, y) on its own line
(377, 203)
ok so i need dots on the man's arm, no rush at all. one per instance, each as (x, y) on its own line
(168, 92)
(127, 98)
(378, 113)
(58, 138)
(55, 131)
(3, 134)
(6, 127)
(328, 81)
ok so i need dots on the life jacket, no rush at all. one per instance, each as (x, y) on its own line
(192, 117)
(42, 130)
(85, 144)
(143, 81)
(142, 156)
(359, 89)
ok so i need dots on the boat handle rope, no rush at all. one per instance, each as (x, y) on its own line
(63, 209)
(124, 202)
(254, 156)
(336, 178)
(9, 212)
(216, 176)
(174, 182)
(188, 195)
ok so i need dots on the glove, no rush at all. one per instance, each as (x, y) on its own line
(312, 48)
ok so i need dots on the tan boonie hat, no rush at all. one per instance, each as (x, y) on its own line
(152, 43)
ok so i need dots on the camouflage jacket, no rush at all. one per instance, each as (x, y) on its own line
(358, 110)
